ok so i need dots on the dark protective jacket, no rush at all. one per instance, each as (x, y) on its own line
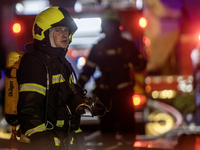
(115, 57)
(32, 80)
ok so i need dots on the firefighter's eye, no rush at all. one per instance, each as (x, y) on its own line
(59, 30)
(66, 30)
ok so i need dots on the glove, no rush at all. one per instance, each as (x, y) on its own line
(79, 102)
(94, 105)
(74, 101)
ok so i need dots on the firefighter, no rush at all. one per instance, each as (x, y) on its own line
(47, 85)
(115, 57)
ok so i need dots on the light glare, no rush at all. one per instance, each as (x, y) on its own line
(78, 7)
(16, 28)
(143, 22)
(19, 8)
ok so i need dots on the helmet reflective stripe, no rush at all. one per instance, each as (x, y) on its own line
(57, 79)
(57, 141)
(32, 87)
(60, 123)
(39, 128)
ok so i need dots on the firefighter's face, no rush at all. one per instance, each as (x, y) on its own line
(59, 36)
(110, 28)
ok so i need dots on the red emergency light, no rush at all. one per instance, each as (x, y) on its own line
(16, 28)
(143, 22)
(138, 100)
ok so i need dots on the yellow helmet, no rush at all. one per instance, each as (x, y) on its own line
(52, 17)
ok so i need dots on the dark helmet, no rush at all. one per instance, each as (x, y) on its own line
(52, 17)
(110, 17)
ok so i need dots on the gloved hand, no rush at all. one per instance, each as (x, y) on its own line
(96, 107)
(79, 102)
(76, 99)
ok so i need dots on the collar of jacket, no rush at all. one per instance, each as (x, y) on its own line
(54, 53)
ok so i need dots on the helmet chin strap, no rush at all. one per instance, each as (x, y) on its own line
(53, 44)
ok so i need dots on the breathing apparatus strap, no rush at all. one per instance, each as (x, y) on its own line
(49, 80)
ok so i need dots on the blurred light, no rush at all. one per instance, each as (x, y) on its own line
(16, 28)
(155, 94)
(148, 51)
(139, 4)
(97, 73)
(75, 53)
(164, 94)
(121, 28)
(170, 79)
(142, 22)
(148, 88)
(163, 127)
(199, 37)
(137, 144)
(154, 144)
(136, 100)
(157, 80)
(147, 80)
(185, 85)
(189, 117)
(28, 7)
(88, 24)
(146, 41)
(78, 7)
(179, 78)
(19, 8)
(169, 94)
(189, 88)
(81, 61)
(195, 55)
(160, 122)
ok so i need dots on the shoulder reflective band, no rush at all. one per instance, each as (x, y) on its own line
(71, 80)
(91, 64)
(60, 123)
(57, 141)
(39, 128)
(78, 131)
(72, 140)
(57, 78)
(32, 87)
